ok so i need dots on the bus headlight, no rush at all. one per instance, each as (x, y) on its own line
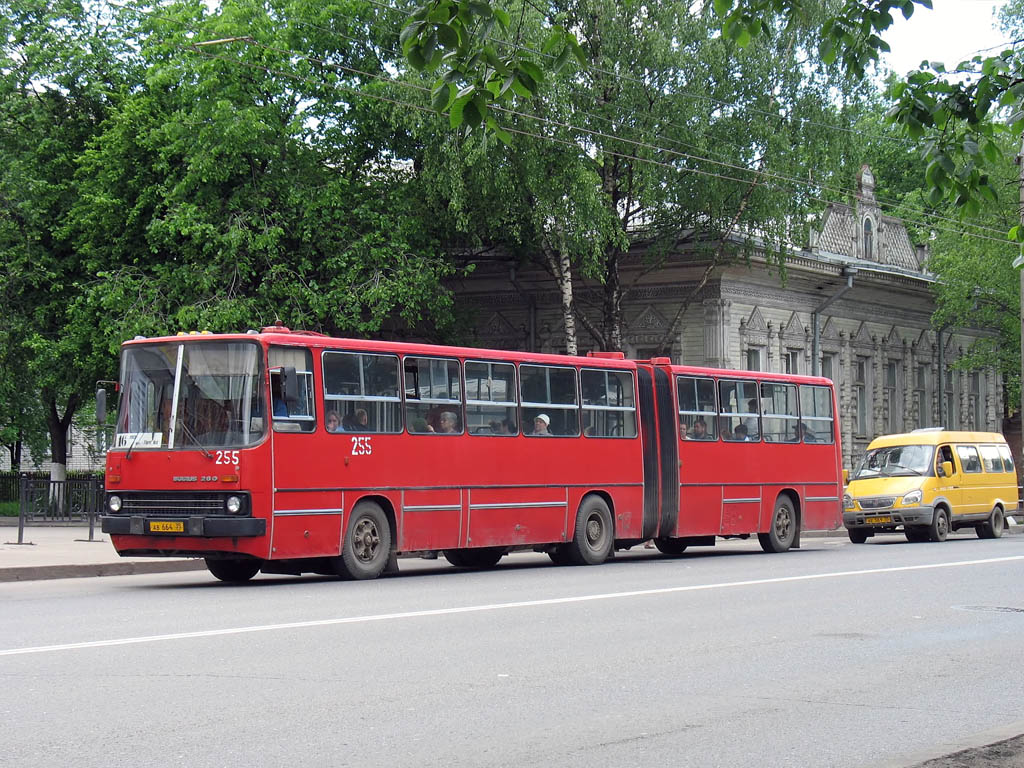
(848, 502)
(914, 497)
(233, 505)
(114, 503)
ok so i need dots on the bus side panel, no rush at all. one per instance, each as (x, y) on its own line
(823, 510)
(700, 487)
(431, 519)
(306, 524)
(509, 517)
(668, 451)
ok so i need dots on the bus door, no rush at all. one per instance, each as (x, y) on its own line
(949, 486)
(701, 457)
(306, 516)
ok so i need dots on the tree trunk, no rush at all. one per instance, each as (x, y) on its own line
(58, 427)
(612, 305)
(562, 270)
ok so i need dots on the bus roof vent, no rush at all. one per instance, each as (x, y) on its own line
(252, 332)
(661, 361)
(608, 355)
(277, 327)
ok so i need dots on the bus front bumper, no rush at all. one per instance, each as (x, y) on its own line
(206, 527)
(888, 519)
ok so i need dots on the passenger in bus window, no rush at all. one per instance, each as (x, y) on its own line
(540, 425)
(751, 421)
(448, 422)
(355, 421)
(803, 433)
(740, 433)
(682, 431)
(333, 422)
(700, 430)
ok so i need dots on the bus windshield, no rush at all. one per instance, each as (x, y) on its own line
(193, 395)
(895, 460)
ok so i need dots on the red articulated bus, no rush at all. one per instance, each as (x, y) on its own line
(292, 452)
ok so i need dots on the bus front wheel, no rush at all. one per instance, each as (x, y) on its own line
(782, 532)
(233, 571)
(593, 537)
(367, 545)
(857, 535)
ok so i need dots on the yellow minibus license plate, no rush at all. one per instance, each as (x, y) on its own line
(882, 519)
(166, 526)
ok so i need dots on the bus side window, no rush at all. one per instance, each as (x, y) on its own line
(548, 393)
(291, 389)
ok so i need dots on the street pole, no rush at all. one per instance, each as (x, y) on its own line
(1019, 264)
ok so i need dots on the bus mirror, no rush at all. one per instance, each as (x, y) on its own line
(101, 406)
(846, 476)
(947, 469)
(290, 384)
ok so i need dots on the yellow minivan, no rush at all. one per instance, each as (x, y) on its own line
(929, 482)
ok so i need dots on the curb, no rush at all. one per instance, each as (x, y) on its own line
(41, 572)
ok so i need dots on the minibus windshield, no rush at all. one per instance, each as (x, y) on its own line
(896, 460)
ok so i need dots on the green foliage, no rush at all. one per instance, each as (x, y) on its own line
(477, 58)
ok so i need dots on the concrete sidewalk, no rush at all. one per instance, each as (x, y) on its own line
(65, 551)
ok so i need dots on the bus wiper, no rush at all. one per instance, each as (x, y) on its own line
(195, 440)
(128, 456)
(908, 469)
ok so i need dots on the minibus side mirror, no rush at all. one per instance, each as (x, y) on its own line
(101, 406)
(846, 476)
(290, 384)
(946, 470)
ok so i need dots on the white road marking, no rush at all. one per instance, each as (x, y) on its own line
(494, 607)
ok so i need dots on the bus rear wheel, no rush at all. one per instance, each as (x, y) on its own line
(482, 557)
(993, 527)
(233, 571)
(670, 546)
(367, 545)
(593, 537)
(782, 532)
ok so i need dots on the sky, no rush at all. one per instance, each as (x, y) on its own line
(952, 31)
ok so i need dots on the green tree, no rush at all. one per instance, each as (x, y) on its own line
(651, 142)
(63, 66)
(227, 192)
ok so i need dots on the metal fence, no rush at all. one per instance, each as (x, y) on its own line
(42, 500)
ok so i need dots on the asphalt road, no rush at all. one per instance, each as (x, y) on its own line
(835, 655)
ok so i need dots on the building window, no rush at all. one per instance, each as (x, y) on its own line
(754, 359)
(860, 393)
(977, 422)
(893, 421)
(950, 394)
(828, 366)
(868, 238)
(792, 361)
(921, 396)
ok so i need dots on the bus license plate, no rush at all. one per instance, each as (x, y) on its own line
(882, 519)
(166, 526)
